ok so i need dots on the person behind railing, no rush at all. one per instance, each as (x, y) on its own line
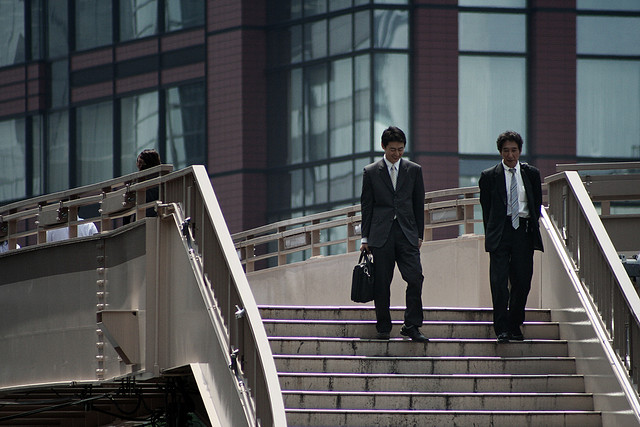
(511, 199)
(392, 205)
(147, 159)
(86, 229)
(4, 246)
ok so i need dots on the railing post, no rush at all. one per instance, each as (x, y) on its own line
(315, 238)
(282, 257)
(468, 215)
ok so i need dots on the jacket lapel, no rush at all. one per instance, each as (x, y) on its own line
(384, 174)
(402, 174)
(527, 188)
(502, 183)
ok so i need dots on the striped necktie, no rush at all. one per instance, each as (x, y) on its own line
(514, 207)
(394, 176)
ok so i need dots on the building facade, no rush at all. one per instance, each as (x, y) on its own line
(284, 101)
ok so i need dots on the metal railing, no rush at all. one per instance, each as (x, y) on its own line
(25, 223)
(340, 229)
(594, 254)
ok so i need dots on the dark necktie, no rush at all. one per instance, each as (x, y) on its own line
(513, 202)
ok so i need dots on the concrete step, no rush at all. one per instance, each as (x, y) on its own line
(425, 365)
(405, 347)
(366, 312)
(450, 383)
(372, 418)
(438, 401)
(431, 329)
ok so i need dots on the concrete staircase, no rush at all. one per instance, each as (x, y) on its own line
(334, 373)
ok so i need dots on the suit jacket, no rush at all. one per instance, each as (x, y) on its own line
(493, 198)
(380, 203)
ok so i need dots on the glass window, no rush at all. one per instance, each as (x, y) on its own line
(11, 32)
(341, 176)
(608, 108)
(57, 152)
(315, 40)
(94, 147)
(340, 35)
(362, 30)
(185, 121)
(390, 1)
(606, 35)
(316, 113)
(296, 118)
(316, 189)
(519, 4)
(180, 14)
(391, 92)
(37, 163)
(492, 99)
(93, 24)
(295, 40)
(37, 27)
(138, 18)
(297, 188)
(628, 5)
(492, 32)
(339, 4)
(314, 7)
(362, 96)
(391, 29)
(12, 159)
(341, 108)
(139, 128)
(60, 83)
(58, 28)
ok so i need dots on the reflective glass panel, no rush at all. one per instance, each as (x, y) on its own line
(57, 28)
(339, 4)
(138, 18)
(608, 108)
(185, 121)
(628, 5)
(93, 24)
(59, 83)
(316, 188)
(362, 112)
(296, 117)
(37, 28)
(315, 40)
(37, 164)
(57, 152)
(519, 4)
(316, 113)
(341, 108)
(340, 35)
(11, 32)
(391, 29)
(181, 14)
(362, 31)
(492, 32)
(492, 99)
(139, 128)
(391, 93)
(607, 35)
(12, 159)
(297, 188)
(295, 41)
(391, 1)
(94, 146)
(314, 7)
(341, 176)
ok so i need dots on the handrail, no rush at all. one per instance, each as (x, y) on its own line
(598, 265)
(597, 166)
(340, 229)
(191, 190)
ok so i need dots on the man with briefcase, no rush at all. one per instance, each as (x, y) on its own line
(392, 205)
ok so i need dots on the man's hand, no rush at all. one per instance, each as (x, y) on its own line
(364, 247)
(419, 243)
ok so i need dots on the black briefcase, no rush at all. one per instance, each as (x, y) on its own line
(362, 279)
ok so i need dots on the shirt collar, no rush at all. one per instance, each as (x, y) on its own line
(506, 168)
(389, 164)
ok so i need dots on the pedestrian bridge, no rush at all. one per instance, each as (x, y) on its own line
(157, 318)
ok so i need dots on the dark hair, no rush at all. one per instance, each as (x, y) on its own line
(509, 136)
(148, 158)
(393, 134)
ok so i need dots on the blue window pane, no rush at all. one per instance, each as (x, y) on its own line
(58, 28)
(94, 152)
(362, 31)
(628, 5)
(341, 176)
(391, 93)
(608, 108)
(93, 24)
(492, 99)
(57, 152)
(340, 35)
(604, 35)
(513, 4)
(180, 14)
(296, 117)
(12, 159)
(186, 144)
(138, 18)
(316, 114)
(314, 7)
(492, 32)
(139, 128)
(316, 185)
(362, 107)
(315, 40)
(391, 29)
(11, 32)
(341, 108)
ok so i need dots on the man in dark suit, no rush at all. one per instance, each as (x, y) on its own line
(511, 198)
(392, 203)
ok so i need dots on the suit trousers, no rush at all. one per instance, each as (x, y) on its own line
(397, 249)
(511, 262)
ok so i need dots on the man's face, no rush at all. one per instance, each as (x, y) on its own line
(393, 151)
(510, 153)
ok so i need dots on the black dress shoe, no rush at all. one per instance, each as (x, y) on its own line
(517, 337)
(383, 335)
(503, 337)
(414, 333)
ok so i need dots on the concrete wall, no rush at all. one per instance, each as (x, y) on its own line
(456, 274)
